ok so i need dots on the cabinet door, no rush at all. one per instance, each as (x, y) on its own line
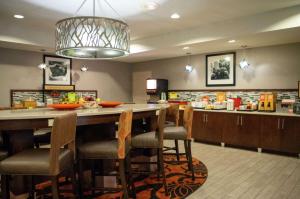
(270, 136)
(290, 140)
(198, 128)
(249, 131)
(214, 124)
(231, 128)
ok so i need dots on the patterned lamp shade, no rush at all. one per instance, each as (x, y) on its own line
(92, 38)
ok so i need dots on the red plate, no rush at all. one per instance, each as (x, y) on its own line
(109, 104)
(64, 106)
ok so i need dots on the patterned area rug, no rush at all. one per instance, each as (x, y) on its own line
(180, 184)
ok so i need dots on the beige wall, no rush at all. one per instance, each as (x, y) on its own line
(18, 70)
(271, 67)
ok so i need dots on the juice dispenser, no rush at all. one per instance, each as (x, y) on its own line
(262, 101)
(270, 104)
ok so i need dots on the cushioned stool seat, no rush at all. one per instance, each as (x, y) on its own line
(103, 149)
(169, 124)
(145, 140)
(34, 162)
(175, 133)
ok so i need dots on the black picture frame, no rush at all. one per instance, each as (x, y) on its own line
(233, 81)
(44, 72)
(298, 89)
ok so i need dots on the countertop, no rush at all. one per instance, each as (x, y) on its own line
(251, 112)
(42, 113)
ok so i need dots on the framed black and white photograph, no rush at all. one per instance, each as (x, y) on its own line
(58, 70)
(299, 89)
(220, 69)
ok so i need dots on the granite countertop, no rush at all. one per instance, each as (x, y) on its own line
(42, 113)
(252, 112)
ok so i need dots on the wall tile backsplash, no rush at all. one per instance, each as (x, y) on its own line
(18, 96)
(245, 95)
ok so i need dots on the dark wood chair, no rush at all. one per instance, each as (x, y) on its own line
(45, 162)
(113, 149)
(153, 140)
(183, 133)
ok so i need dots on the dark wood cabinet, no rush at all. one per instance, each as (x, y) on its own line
(270, 136)
(242, 130)
(281, 134)
(249, 130)
(231, 129)
(213, 126)
(277, 133)
(207, 126)
(198, 128)
(290, 134)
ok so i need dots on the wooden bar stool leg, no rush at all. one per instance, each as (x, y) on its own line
(74, 182)
(55, 189)
(80, 177)
(158, 165)
(5, 186)
(162, 169)
(187, 153)
(93, 177)
(123, 178)
(128, 162)
(177, 150)
(31, 187)
(191, 158)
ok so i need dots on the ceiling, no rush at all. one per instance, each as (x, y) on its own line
(205, 25)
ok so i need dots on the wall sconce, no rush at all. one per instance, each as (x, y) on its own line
(244, 63)
(188, 67)
(42, 66)
(84, 68)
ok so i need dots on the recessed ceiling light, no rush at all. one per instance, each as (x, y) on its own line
(151, 5)
(186, 48)
(231, 41)
(18, 16)
(175, 16)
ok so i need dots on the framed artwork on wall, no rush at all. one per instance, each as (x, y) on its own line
(58, 70)
(220, 69)
(299, 89)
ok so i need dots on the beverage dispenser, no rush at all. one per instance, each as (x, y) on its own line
(157, 88)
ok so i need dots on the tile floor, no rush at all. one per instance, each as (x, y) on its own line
(237, 173)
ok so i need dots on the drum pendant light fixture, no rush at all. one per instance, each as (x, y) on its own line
(92, 37)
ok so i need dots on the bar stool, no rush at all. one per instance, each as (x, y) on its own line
(3, 153)
(45, 162)
(172, 119)
(115, 149)
(172, 115)
(41, 137)
(153, 140)
(182, 133)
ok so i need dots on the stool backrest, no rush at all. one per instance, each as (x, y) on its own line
(161, 125)
(173, 113)
(62, 135)
(188, 120)
(124, 132)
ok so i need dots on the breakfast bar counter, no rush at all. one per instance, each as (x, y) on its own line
(42, 118)
(18, 126)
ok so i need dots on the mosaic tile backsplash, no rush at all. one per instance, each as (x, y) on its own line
(245, 95)
(37, 95)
